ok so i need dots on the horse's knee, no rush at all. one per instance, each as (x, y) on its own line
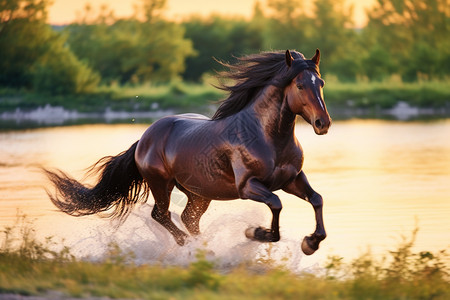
(316, 200)
(274, 203)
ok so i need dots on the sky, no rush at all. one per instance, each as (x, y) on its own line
(65, 11)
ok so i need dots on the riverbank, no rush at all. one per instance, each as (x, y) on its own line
(402, 101)
(40, 272)
(49, 115)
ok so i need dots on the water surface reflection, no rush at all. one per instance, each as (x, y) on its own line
(377, 178)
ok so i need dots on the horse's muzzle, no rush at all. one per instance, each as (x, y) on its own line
(321, 125)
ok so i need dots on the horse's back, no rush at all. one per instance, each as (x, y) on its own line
(191, 116)
(188, 149)
(159, 131)
(162, 137)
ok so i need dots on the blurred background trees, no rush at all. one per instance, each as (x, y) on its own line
(220, 38)
(142, 48)
(408, 38)
(413, 36)
(34, 56)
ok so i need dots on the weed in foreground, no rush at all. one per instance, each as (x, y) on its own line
(29, 267)
(20, 240)
(400, 274)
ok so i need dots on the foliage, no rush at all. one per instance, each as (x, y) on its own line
(401, 274)
(134, 50)
(386, 94)
(185, 97)
(33, 55)
(328, 27)
(176, 96)
(202, 274)
(220, 38)
(23, 39)
(59, 71)
(415, 35)
(20, 242)
(403, 38)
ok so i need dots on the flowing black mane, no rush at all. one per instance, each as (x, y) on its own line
(251, 74)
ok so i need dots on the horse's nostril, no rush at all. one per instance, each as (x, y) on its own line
(318, 123)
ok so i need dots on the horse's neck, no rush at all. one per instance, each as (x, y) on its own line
(273, 113)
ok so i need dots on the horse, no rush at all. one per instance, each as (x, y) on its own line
(247, 150)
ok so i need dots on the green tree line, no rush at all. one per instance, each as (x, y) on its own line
(408, 38)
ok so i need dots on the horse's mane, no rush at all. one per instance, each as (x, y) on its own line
(251, 74)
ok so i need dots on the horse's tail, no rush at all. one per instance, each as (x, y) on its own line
(118, 188)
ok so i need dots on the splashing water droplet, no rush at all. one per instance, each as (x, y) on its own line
(151, 243)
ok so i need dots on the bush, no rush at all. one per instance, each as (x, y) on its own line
(60, 72)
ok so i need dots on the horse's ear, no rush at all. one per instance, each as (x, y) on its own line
(316, 57)
(289, 58)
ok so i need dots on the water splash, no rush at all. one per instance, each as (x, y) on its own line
(222, 239)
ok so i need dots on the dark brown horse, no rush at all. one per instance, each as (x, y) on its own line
(246, 150)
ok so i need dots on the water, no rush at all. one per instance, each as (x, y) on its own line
(379, 180)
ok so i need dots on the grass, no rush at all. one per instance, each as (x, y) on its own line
(183, 96)
(425, 94)
(29, 267)
(178, 95)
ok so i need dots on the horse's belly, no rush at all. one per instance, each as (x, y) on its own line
(209, 188)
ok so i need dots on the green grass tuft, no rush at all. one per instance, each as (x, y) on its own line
(29, 267)
(182, 97)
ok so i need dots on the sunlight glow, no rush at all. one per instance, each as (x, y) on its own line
(66, 11)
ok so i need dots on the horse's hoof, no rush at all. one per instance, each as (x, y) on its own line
(182, 239)
(250, 233)
(306, 248)
(261, 234)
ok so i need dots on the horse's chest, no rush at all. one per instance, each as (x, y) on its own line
(282, 175)
(287, 166)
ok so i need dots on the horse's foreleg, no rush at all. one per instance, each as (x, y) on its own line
(256, 191)
(311, 243)
(301, 188)
(195, 208)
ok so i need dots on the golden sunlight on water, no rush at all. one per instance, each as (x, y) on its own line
(378, 180)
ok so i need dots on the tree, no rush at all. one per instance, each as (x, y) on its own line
(289, 26)
(334, 33)
(59, 71)
(142, 48)
(409, 29)
(24, 39)
(33, 55)
(220, 38)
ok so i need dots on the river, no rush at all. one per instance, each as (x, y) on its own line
(379, 180)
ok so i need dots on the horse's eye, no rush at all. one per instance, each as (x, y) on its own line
(300, 86)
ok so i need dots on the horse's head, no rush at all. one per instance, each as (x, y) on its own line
(304, 93)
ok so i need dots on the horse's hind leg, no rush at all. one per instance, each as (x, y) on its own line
(195, 208)
(161, 191)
